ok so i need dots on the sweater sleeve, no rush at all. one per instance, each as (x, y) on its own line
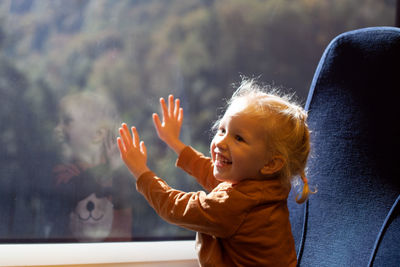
(212, 213)
(199, 166)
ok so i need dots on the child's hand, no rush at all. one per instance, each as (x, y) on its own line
(133, 151)
(170, 128)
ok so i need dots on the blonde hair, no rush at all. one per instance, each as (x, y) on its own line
(287, 132)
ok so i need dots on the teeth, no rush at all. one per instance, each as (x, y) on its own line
(222, 159)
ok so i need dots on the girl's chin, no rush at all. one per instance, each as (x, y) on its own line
(221, 178)
(218, 176)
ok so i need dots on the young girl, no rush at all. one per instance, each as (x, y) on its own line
(261, 143)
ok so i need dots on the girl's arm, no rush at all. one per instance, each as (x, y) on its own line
(199, 166)
(169, 129)
(218, 213)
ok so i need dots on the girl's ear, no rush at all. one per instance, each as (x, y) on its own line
(273, 166)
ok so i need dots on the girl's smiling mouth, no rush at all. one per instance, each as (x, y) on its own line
(221, 161)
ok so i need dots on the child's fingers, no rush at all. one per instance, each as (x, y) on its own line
(143, 148)
(156, 119)
(157, 122)
(135, 134)
(170, 105)
(176, 108)
(125, 136)
(163, 108)
(180, 115)
(121, 146)
(126, 129)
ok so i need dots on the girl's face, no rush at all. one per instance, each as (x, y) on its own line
(238, 149)
(76, 133)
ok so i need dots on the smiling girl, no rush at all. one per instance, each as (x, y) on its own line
(261, 144)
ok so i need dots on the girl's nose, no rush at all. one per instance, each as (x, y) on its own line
(221, 142)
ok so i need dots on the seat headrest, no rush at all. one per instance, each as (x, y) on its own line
(354, 108)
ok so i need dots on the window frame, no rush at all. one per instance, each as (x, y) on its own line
(132, 253)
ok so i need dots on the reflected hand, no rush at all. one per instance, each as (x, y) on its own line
(65, 172)
(169, 129)
(133, 151)
(111, 151)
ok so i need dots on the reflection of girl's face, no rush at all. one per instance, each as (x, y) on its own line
(76, 133)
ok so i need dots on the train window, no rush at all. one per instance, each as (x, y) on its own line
(72, 71)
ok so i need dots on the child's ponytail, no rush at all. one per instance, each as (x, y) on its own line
(306, 189)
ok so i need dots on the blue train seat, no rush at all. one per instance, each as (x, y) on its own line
(354, 116)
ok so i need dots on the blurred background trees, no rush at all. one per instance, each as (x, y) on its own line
(136, 51)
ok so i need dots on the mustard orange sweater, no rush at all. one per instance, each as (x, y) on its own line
(246, 224)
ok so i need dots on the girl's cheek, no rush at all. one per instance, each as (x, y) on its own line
(212, 147)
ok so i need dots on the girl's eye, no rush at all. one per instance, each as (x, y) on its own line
(239, 138)
(221, 131)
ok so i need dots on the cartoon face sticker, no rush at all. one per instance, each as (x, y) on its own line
(92, 218)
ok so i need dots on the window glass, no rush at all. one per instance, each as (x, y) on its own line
(72, 71)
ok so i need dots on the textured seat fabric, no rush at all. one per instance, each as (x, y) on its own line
(354, 116)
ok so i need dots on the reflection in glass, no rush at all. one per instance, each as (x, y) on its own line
(95, 196)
